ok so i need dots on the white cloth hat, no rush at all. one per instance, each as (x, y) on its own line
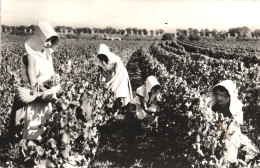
(235, 104)
(150, 82)
(42, 33)
(104, 49)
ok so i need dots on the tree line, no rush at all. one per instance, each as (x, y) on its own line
(240, 33)
(183, 34)
(23, 30)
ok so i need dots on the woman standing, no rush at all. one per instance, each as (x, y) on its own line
(224, 100)
(116, 75)
(37, 70)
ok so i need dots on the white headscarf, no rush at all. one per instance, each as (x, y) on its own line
(143, 91)
(42, 33)
(236, 105)
(104, 49)
(150, 82)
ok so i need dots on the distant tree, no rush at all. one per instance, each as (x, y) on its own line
(256, 33)
(181, 32)
(193, 34)
(240, 32)
(202, 32)
(178, 31)
(12, 28)
(95, 30)
(168, 36)
(145, 32)
(122, 32)
(161, 31)
(152, 31)
(57, 29)
(221, 35)
(157, 32)
(4, 28)
(128, 30)
(140, 31)
(89, 30)
(195, 31)
(118, 31)
(19, 30)
(108, 30)
(86, 30)
(232, 32)
(31, 28)
(135, 30)
(70, 29)
(207, 32)
(194, 37)
(101, 31)
(190, 31)
(78, 30)
(214, 32)
(113, 31)
(7, 28)
(245, 31)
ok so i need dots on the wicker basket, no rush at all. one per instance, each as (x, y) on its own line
(25, 95)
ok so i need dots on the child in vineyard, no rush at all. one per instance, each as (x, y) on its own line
(37, 75)
(145, 101)
(224, 100)
(116, 75)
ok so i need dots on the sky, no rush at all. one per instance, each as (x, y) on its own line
(150, 14)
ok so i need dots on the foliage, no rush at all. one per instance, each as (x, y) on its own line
(187, 134)
(241, 33)
(242, 54)
(168, 36)
(192, 101)
(255, 33)
(194, 37)
(72, 135)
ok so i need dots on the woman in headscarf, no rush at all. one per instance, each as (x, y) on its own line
(116, 75)
(37, 70)
(146, 101)
(224, 100)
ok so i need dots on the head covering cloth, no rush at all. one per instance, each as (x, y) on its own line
(236, 105)
(42, 33)
(105, 50)
(150, 82)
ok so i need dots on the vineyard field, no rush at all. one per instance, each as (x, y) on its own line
(95, 137)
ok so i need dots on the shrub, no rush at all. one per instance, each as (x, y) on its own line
(183, 37)
(168, 36)
(194, 37)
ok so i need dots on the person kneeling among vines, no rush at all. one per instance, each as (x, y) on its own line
(224, 100)
(146, 101)
(32, 105)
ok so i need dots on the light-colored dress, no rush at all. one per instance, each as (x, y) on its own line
(119, 82)
(36, 113)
